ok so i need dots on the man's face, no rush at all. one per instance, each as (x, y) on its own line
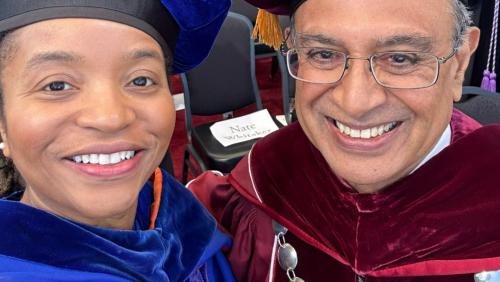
(414, 119)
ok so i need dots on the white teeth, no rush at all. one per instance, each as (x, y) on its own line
(380, 130)
(347, 130)
(104, 159)
(115, 158)
(129, 155)
(94, 158)
(340, 126)
(77, 159)
(365, 133)
(85, 159)
(355, 133)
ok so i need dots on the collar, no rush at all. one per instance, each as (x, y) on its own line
(181, 237)
(419, 219)
(443, 142)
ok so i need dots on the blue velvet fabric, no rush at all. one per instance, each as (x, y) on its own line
(184, 246)
(199, 22)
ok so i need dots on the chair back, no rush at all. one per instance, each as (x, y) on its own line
(242, 7)
(226, 80)
(483, 106)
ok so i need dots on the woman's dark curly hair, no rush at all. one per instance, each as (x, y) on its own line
(10, 179)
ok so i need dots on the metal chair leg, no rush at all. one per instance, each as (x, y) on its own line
(185, 166)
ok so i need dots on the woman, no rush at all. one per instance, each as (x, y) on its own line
(86, 117)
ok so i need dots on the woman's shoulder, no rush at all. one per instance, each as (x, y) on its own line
(15, 269)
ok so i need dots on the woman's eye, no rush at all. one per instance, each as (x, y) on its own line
(142, 81)
(57, 86)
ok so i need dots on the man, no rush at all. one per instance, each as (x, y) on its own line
(381, 180)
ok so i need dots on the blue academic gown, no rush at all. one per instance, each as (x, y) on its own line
(184, 246)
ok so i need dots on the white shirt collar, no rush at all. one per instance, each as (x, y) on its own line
(443, 142)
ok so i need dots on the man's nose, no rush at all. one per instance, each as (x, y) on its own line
(358, 92)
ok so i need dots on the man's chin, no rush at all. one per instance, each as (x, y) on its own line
(368, 182)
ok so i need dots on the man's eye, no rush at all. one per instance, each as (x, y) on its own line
(321, 54)
(57, 86)
(142, 81)
(401, 59)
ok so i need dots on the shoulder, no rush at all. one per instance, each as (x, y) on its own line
(286, 136)
(249, 226)
(15, 269)
(219, 195)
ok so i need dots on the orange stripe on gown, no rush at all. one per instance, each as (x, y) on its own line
(157, 189)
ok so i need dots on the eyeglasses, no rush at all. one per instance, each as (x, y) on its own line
(402, 70)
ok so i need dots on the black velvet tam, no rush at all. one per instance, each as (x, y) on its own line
(185, 29)
(288, 7)
(279, 7)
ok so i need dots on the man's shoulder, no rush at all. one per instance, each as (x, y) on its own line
(285, 136)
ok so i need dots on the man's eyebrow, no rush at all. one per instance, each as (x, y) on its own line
(144, 54)
(419, 42)
(53, 56)
(305, 39)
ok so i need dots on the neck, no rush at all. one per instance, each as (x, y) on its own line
(442, 143)
(123, 220)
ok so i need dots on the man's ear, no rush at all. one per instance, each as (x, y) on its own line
(464, 53)
(286, 35)
(3, 135)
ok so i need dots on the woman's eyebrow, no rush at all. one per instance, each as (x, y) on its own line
(144, 54)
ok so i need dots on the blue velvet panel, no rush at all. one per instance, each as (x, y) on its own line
(39, 245)
(199, 22)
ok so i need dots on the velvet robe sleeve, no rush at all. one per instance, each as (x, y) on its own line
(251, 229)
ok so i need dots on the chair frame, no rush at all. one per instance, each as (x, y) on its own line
(188, 165)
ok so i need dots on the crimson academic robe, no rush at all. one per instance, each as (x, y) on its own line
(440, 223)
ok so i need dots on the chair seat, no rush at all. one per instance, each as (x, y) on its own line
(212, 152)
(484, 109)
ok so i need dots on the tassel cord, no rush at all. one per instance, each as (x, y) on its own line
(489, 74)
(494, 35)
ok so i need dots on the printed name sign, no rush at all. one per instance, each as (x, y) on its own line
(487, 276)
(241, 129)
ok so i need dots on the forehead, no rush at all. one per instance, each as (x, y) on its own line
(356, 22)
(90, 37)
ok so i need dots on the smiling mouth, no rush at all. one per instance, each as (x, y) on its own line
(103, 159)
(366, 133)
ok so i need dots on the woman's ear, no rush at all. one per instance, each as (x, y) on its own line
(5, 144)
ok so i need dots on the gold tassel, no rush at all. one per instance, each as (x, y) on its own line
(268, 29)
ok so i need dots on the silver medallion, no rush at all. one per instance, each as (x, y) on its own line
(287, 257)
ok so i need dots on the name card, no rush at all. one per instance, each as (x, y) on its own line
(487, 276)
(244, 128)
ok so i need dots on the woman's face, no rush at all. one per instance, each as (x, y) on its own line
(88, 116)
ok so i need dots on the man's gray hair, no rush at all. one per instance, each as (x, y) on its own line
(463, 19)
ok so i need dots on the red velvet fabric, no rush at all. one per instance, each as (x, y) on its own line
(438, 224)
